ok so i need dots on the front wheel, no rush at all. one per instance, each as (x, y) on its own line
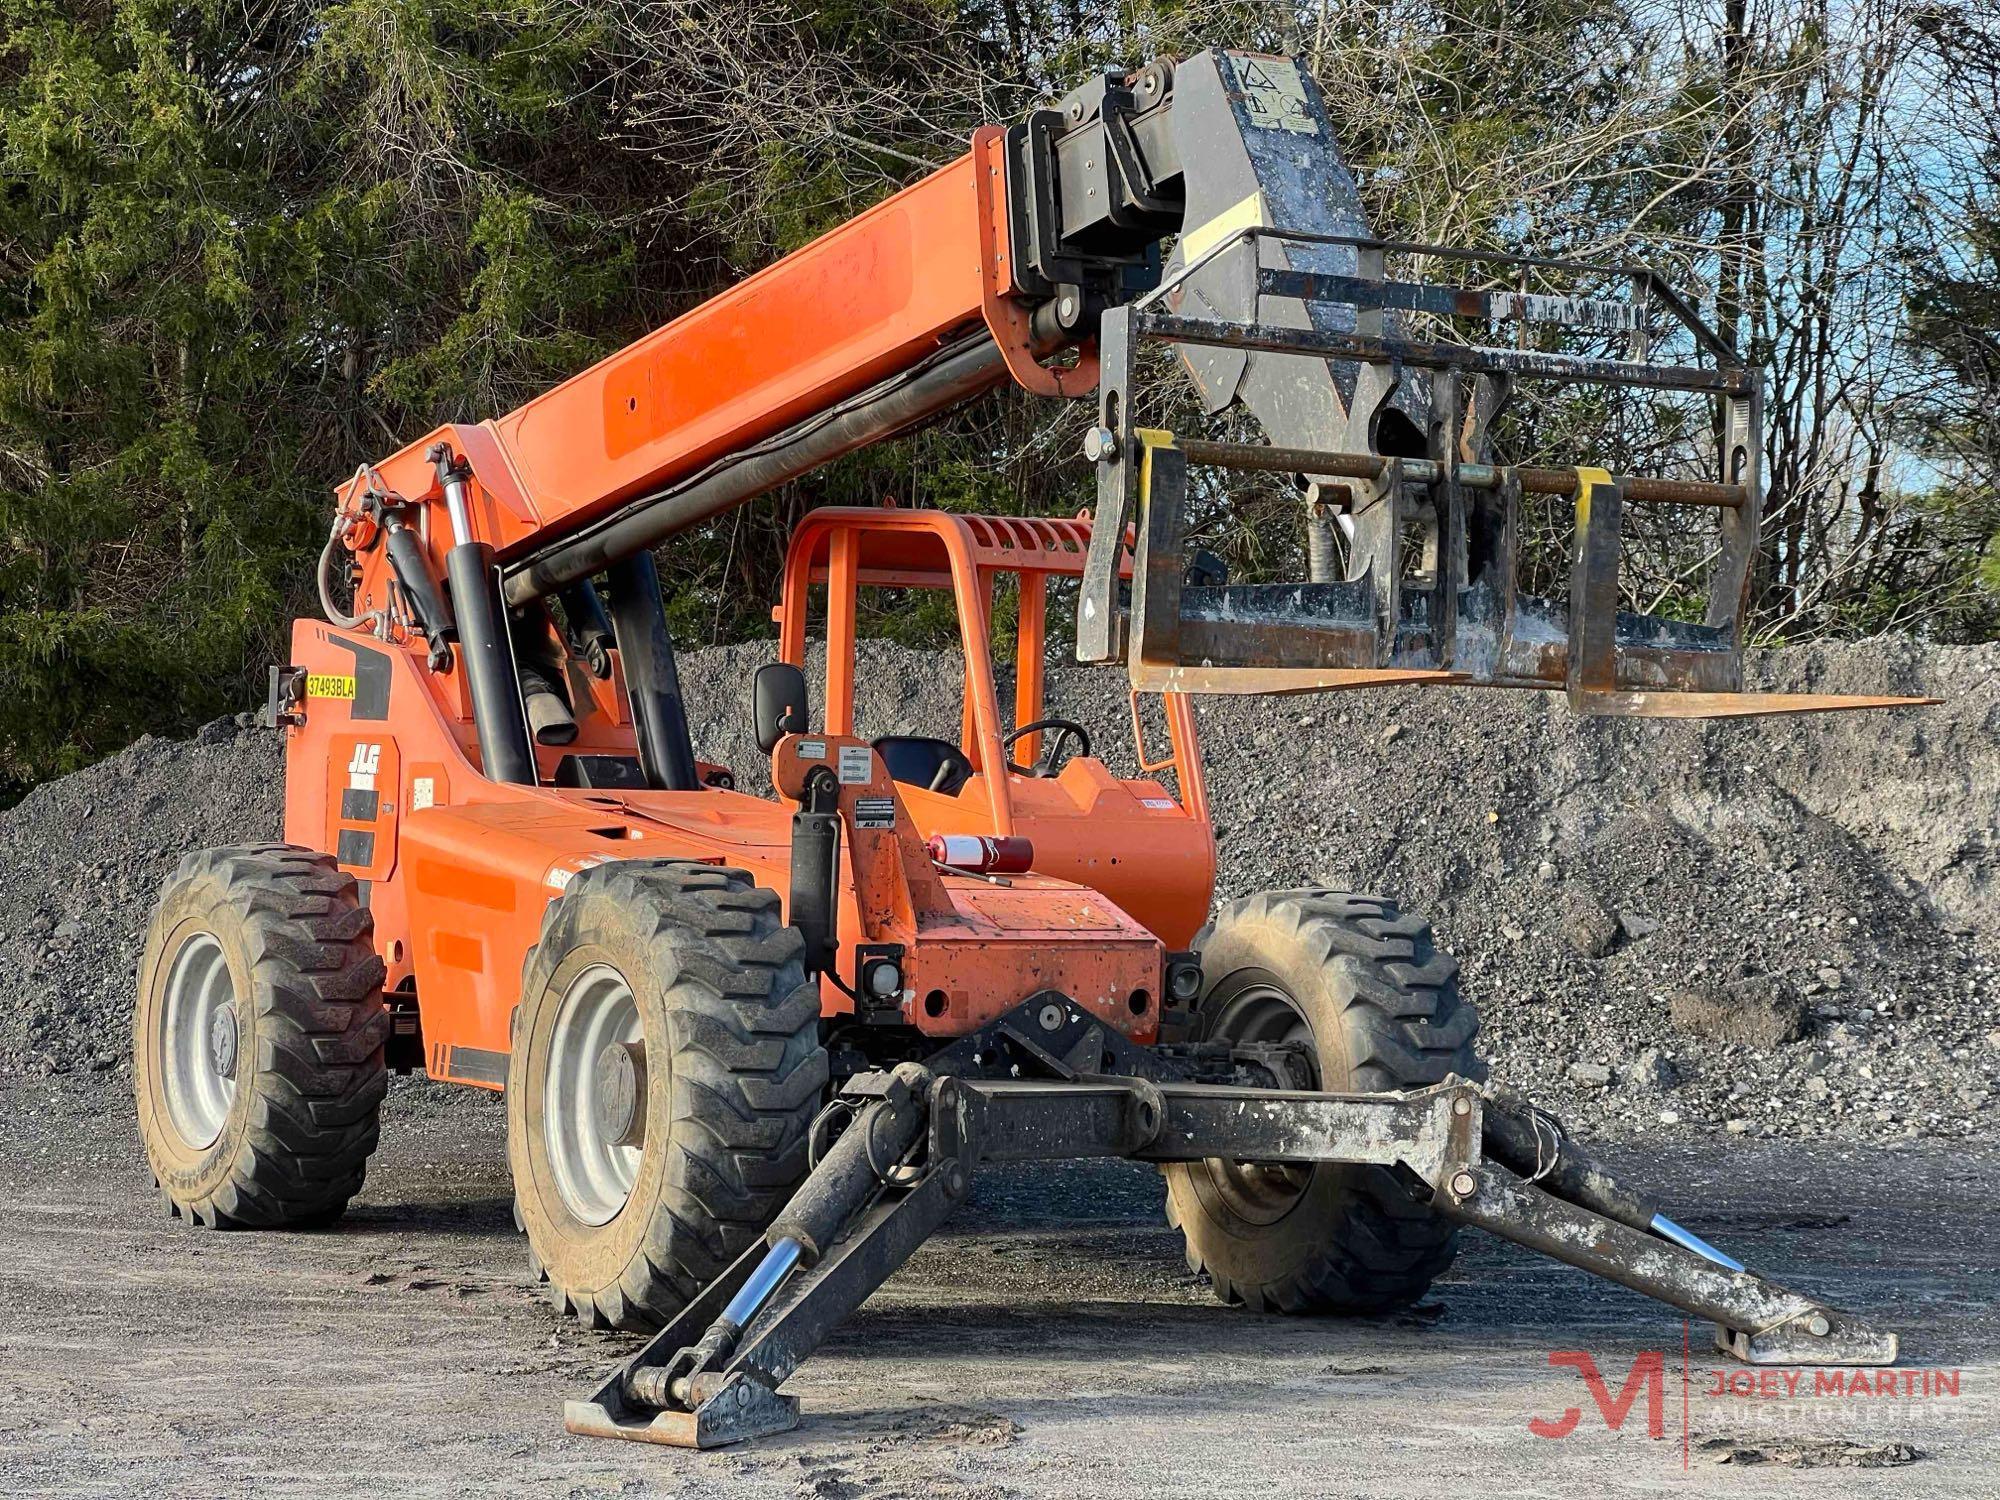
(666, 1070)
(1364, 987)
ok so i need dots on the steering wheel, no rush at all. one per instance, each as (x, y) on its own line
(1061, 732)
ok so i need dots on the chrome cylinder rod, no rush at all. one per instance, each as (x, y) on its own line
(767, 1278)
(1667, 1229)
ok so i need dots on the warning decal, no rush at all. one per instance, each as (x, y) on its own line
(1274, 95)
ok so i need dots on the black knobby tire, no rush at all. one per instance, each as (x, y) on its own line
(276, 940)
(733, 1073)
(1367, 987)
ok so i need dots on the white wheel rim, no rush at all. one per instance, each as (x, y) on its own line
(199, 1041)
(594, 1170)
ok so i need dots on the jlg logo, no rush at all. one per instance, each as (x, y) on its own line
(361, 769)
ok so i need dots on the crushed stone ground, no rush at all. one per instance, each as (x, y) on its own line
(1827, 878)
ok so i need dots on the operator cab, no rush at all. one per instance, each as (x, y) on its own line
(923, 760)
(1027, 772)
(940, 766)
(989, 563)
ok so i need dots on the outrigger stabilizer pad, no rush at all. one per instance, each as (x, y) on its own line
(1048, 1082)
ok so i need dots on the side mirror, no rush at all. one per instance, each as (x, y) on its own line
(778, 703)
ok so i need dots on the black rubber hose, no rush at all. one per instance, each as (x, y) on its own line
(589, 627)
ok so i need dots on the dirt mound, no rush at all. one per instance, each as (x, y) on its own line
(81, 860)
(1824, 891)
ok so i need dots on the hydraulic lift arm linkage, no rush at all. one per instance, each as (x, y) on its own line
(1049, 1083)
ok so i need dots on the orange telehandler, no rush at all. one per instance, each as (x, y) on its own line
(753, 1049)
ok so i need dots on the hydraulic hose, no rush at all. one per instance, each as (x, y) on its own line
(322, 577)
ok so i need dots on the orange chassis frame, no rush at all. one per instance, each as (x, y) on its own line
(457, 868)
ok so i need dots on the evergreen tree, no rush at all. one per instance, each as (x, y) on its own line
(243, 249)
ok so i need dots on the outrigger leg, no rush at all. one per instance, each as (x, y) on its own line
(712, 1376)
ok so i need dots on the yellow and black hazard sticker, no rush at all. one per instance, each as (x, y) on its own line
(329, 685)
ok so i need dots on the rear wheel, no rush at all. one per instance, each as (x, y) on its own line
(666, 1068)
(1363, 986)
(257, 1038)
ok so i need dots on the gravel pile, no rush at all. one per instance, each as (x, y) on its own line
(81, 860)
(1768, 927)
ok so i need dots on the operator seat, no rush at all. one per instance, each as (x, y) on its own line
(920, 760)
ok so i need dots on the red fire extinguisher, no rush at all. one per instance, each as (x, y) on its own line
(983, 854)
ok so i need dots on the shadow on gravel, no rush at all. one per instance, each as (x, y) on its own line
(481, 1217)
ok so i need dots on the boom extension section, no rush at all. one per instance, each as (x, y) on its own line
(1048, 1083)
